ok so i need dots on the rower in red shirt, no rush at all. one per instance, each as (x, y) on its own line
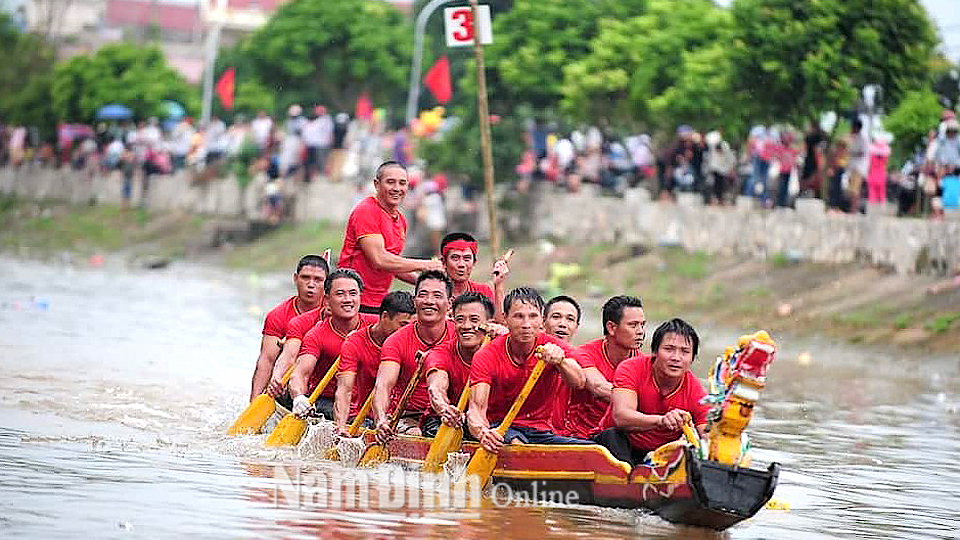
(321, 345)
(360, 356)
(624, 325)
(500, 369)
(561, 319)
(458, 251)
(375, 235)
(431, 299)
(311, 272)
(653, 397)
(296, 329)
(448, 365)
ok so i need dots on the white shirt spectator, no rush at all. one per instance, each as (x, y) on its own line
(261, 127)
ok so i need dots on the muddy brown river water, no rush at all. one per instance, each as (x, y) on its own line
(117, 384)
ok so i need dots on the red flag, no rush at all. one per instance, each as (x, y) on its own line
(364, 108)
(225, 88)
(437, 80)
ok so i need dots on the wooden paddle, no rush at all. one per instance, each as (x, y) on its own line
(483, 461)
(333, 453)
(449, 438)
(291, 428)
(251, 420)
(376, 454)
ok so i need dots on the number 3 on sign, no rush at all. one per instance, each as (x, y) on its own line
(461, 28)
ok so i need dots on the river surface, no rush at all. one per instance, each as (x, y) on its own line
(117, 384)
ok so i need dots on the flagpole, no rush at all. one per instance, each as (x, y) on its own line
(485, 148)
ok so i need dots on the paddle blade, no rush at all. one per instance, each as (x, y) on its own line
(374, 455)
(446, 440)
(482, 465)
(288, 432)
(252, 420)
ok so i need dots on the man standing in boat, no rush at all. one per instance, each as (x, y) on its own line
(321, 345)
(375, 235)
(500, 369)
(624, 325)
(360, 356)
(458, 252)
(398, 360)
(311, 273)
(561, 317)
(653, 397)
(448, 365)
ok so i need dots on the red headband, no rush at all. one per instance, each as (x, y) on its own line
(460, 244)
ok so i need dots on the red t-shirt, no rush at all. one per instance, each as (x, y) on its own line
(447, 357)
(361, 355)
(579, 412)
(301, 324)
(401, 348)
(279, 317)
(482, 288)
(323, 341)
(493, 365)
(636, 374)
(367, 219)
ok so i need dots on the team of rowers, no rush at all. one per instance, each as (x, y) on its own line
(606, 391)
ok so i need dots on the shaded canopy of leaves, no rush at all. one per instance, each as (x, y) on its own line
(794, 59)
(664, 67)
(329, 52)
(918, 113)
(458, 151)
(533, 41)
(131, 75)
(25, 78)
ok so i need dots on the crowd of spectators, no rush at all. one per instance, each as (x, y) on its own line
(774, 165)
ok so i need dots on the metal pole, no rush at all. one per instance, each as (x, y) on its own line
(413, 95)
(485, 148)
(213, 40)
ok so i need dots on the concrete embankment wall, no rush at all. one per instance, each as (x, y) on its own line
(219, 197)
(904, 245)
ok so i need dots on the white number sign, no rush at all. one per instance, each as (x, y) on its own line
(461, 28)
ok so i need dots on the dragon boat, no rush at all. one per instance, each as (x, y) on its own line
(700, 483)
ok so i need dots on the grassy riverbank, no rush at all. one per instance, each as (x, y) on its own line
(851, 302)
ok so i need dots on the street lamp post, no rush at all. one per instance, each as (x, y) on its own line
(413, 95)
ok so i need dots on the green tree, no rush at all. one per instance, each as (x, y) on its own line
(25, 77)
(457, 152)
(332, 51)
(534, 40)
(667, 66)
(918, 113)
(795, 59)
(135, 76)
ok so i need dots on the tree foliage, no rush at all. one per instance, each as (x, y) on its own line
(25, 77)
(457, 151)
(664, 67)
(794, 59)
(135, 76)
(535, 40)
(332, 51)
(918, 113)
